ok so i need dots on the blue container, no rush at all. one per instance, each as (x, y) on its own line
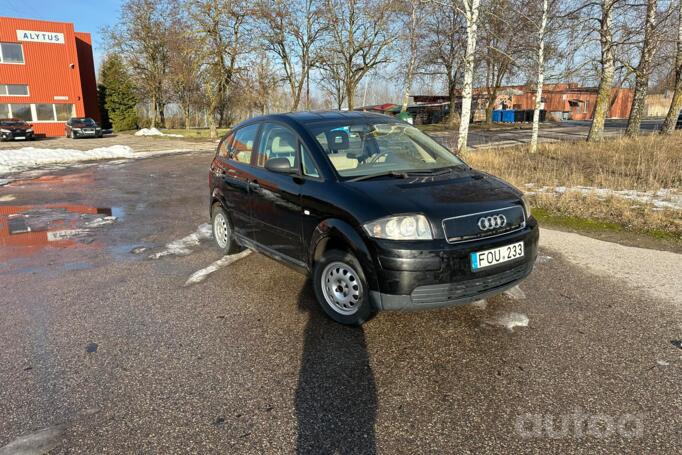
(508, 116)
(497, 116)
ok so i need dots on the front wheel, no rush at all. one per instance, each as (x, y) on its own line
(341, 288)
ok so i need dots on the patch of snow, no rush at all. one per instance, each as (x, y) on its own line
(664, 198)
(541, 259)
(13, 160)
(154, 132)
(480, 304)
(100, 221)
(37, 443)
(183, 246)
(662, 363)
(54, 236)
(7, 197)
(510, 320)
(201, 275)
(515, 293)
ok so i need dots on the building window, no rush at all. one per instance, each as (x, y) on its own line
(22, 111)
(64, 112)
(13, 90)
(11, 53)
(4, 110)
(45, 113)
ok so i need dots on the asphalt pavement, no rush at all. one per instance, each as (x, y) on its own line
(107, 346)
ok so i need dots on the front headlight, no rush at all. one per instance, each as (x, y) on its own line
(526, 205)
(404, 227)
(76, 129)
(5, 131)
(30, 130)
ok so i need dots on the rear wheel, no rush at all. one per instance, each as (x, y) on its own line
(222, 230)
(341, 288)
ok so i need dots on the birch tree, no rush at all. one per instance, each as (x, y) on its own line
(470, 10)
(541, 76)
(676, 105)
(643, 70)
(607, 69)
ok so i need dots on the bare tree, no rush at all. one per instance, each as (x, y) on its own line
(142, 37)
(471, 10)
(291, 30)
(219, 25)
(413, 14)
(676, 103)
(643, 70)
(444, 54)
(185, 71)
(358, 42)
(607, 64)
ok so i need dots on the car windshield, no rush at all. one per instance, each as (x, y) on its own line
(363, 149)
(83, 122)
(12, 123)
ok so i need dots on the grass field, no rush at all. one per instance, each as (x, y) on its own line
(630, 184)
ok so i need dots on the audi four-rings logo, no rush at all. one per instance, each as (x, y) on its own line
(492, 222)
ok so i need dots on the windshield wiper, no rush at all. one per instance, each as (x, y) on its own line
(436, 171)
(401, 175)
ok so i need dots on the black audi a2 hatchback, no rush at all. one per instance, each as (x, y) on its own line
(379, 214)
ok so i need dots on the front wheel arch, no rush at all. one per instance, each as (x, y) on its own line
(335, 234)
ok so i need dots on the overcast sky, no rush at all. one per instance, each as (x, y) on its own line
(87, 15)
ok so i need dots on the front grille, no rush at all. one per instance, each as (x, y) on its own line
(444, 293)
(465, 228)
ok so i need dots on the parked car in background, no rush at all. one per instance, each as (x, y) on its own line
(82, 127)
(14, 128)
(679, 121)
(380, 215)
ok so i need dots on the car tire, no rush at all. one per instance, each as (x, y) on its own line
(341, 288)
(222, 230)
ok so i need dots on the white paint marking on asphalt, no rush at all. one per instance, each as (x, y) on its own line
(201, 275)
(515, 293)
(183, 246)
(7, 197)
(662, 363)
(510, 320)
(37, 443)
(480, 304)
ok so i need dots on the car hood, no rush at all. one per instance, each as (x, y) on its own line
(464, 191)
(15, 127)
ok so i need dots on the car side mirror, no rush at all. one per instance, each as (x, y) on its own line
(279, 165)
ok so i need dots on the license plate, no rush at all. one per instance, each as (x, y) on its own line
(482, 259)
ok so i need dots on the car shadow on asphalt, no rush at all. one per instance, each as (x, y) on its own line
(336, 398)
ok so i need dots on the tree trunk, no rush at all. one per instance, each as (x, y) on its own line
(153, 112)
(471, 12)
(603, 106)
(541, 78)
(412, 63)
(350, 95)
(676, 104)
(162, 115)
(452, 93)
(643, 72)
(186, 114)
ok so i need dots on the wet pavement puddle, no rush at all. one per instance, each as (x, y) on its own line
(26, 230)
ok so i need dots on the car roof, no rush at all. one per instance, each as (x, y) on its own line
(307, 117)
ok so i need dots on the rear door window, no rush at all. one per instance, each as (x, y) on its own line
(242, 146)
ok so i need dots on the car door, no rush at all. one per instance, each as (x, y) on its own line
(276, 207)
(232, 168)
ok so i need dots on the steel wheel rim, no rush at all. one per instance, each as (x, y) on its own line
(221, 230)
(342, 288)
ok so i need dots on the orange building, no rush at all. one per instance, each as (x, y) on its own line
(47, 74)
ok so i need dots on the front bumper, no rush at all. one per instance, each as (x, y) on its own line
(16, 135)
(437, 274)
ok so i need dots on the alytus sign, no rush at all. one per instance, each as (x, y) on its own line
(40, 37)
